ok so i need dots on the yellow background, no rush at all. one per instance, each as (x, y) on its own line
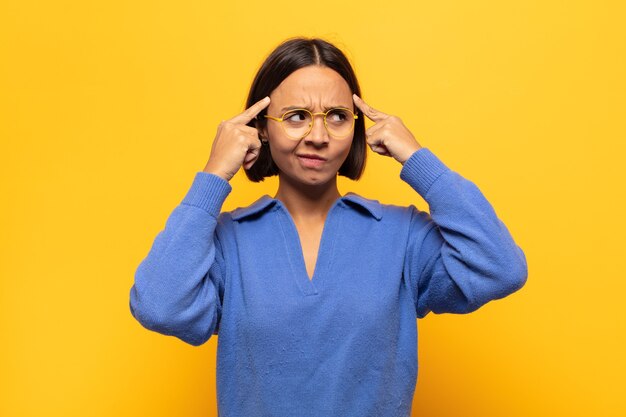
(108, 109)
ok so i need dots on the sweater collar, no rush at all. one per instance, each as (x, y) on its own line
(372, 207)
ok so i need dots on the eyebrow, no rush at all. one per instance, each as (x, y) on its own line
(284, 109)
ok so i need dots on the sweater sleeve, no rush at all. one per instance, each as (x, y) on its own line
(178, 285)
(461, 255)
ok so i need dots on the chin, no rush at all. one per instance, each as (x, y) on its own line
(311, 180)
(317, 178)
(308, 179)
(316, 181)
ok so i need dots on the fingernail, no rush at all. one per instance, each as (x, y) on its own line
(267, 98)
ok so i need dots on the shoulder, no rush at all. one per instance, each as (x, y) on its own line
(400, 221)
(377, 209)
(249, 212)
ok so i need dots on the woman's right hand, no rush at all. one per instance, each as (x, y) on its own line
(235, 143)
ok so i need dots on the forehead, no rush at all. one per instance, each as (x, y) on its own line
(312, 86)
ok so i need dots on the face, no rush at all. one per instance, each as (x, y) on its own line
(316, 89)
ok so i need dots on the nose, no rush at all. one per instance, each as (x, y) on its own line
(318, 134)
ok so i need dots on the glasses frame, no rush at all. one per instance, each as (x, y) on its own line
(282, 119)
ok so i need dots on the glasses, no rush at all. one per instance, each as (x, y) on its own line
(298, 123)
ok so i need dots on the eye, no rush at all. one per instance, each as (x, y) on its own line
(338, 115)
(296, 116)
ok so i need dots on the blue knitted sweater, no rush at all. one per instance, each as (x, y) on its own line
(343, 343)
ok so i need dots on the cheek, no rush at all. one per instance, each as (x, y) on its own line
(345, 149)
(279, 142)
(280, 147)
(276, 135)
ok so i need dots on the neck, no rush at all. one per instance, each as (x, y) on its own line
(307, 202)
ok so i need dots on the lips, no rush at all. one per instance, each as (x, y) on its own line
(313, 161)
(311, 156)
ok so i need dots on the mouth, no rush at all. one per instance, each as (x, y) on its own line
(311, 160)
(311, 156)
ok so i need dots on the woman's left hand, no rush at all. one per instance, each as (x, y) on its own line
(389, 136)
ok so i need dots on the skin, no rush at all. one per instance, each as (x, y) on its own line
(307, 192)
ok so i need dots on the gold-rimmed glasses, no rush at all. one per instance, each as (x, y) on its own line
(297, 123)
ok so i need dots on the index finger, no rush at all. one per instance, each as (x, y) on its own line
(251, 112)
(369, 111)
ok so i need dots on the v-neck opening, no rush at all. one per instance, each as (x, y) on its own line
(308, 285)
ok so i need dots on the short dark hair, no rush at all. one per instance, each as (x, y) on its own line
(289, 56)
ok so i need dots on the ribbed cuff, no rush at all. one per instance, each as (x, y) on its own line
(208, 192)
(422, 169)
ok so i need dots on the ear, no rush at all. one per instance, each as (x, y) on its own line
(262, 130)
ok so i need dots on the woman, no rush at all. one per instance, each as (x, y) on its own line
(314, 295)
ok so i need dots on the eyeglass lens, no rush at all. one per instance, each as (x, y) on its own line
(298, 123)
